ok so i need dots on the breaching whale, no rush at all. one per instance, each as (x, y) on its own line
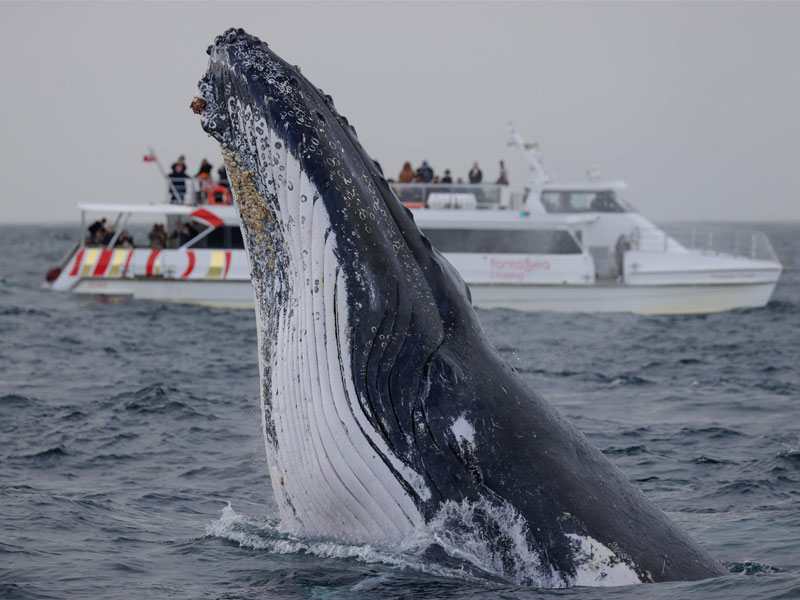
(385, 408)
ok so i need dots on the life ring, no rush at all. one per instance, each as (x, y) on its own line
(223, 198)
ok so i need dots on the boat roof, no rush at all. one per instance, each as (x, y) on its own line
(153, 209)
(498, 219)
(594, 186)
(215, 215)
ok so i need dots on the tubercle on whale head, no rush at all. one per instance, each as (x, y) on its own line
(198, 105)
(211, 99)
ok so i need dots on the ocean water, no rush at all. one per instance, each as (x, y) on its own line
(132, 463)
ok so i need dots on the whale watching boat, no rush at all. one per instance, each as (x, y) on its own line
(559, 247)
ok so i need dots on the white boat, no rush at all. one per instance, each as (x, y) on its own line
(558, 247)
(210, 268)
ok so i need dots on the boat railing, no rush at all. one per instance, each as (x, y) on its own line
(453, 195)
(414, 195)
(708, 239)
(195, 190)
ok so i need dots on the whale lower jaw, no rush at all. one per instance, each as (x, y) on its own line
(333, 475)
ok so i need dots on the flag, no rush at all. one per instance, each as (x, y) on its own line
(149, 158)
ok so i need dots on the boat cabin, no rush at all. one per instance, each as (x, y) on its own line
(583, 199)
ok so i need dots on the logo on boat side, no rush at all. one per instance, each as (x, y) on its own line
(515, 268)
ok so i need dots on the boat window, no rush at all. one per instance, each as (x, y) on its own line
(576, 202)
(502, 241)
(222, 237)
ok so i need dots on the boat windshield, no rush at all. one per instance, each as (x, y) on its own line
(565, 201)
(502, 241)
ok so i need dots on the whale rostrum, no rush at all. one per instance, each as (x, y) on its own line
(385, 409)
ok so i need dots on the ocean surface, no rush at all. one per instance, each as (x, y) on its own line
(132, 463)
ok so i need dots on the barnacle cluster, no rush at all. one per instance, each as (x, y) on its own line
(254, 212)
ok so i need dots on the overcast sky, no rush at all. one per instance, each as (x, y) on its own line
(695, 105)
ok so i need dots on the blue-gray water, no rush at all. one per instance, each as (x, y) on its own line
(126, 430)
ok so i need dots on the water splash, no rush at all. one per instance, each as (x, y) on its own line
(476, 541)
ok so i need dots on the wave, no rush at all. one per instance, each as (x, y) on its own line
(55, 452)
(781, 307)
(18, 311)
(153, 399)
(751, 567)
(16, 401)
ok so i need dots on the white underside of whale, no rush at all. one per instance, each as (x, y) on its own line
(328, 463)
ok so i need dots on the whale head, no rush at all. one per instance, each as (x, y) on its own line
(275, 126)
(385, 409)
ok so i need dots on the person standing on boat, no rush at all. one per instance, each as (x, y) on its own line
(222, 174)
(475, 174)
(407, 174)
(204, 172)
(425, 172)
(97, 238)
(125, 240)
(502, 179)
(94, 227)
(178, 178)
(447, 177)
(157, 237)
(107, 236)
(621, 247)
(204, 175)
(181, 161)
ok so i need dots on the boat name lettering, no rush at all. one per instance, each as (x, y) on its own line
(519, 264)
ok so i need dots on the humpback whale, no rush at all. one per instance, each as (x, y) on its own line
(385, 409)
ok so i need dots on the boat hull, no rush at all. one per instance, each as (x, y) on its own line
(218, 294)
(639, 299)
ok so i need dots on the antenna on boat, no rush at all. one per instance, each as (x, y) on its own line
(538, 175)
